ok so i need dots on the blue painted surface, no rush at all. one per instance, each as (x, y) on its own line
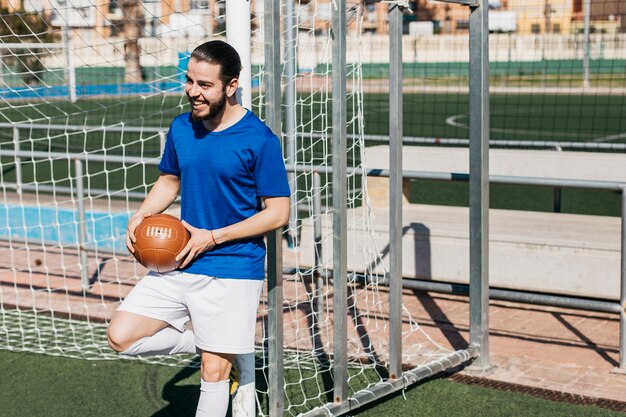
(59, 226)
(121, 89)
(60, 91)
(183, 62)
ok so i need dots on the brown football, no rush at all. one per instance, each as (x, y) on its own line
(159, 238)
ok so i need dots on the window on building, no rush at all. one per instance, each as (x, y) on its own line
(462, 24)
(556, 28)
(199, 5)
(114, 6)
(535, 28)
(578, 6)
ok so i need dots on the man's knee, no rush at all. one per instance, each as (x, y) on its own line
(119, 339)
(118, 333)
(126, 328)
(216, 367)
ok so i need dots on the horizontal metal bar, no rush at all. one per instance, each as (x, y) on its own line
(529, 297)
(462, 2)
(55, 244)
(578, 303)
(558, 182)
(419, 140)
(33, 45)
(91, 193)
(463, 177)
(83, 128)
(80, 156)
(384, 388)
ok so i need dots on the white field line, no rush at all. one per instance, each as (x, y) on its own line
(454, 121)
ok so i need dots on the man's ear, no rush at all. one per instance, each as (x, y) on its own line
(231, 87)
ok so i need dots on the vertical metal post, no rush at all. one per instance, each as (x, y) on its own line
(274, 239)
(622, 313)
(318, 303)
(18, 160)
(479, 181)
(556, 202)
(395, 191)
(82, 225)
(586, 40)
(69, 56)
(162, 139)
(238, 35)
(340, 209)
(290, 112)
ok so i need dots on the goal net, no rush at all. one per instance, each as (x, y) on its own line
(81, 132)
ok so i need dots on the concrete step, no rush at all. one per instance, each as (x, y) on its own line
(565, 254)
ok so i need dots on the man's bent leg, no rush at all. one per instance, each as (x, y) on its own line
(214, 385)
(136, 335)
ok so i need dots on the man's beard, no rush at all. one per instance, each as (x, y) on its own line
(215, 108)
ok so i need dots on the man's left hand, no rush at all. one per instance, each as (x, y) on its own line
(200, 241)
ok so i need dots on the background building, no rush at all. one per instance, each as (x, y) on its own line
(177, 17)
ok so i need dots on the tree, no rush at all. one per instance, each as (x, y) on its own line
(19, 26)
(132, 29)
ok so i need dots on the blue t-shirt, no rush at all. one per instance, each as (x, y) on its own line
(223, 176)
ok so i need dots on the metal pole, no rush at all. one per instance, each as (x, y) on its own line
(318, 303)
(69, 56)
(82, 225)
(528, 297)
(238, 36)
(274, 239)
(586, 46)
(385, 388)
(162, 139)
(339, 209)
(479, 181)
(290, 113)
(622, 313)
(395, 192)
(556, 206)
(18, 160)
(556, 203)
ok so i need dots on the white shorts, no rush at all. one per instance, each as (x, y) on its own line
(222, 311)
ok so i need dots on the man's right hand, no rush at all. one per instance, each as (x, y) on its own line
(133, 222)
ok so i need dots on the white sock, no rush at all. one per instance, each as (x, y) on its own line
(244, 399)
(167, 341)
(213, 400)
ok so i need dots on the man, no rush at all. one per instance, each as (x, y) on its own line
(225, 162)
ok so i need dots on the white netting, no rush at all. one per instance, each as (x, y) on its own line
(51, 301)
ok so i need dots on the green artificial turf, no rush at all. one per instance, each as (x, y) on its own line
(33, 385)
(446, 398)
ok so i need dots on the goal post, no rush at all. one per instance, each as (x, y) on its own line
(479, 180)
(329, 327)
(275, 279)
(238, 34)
